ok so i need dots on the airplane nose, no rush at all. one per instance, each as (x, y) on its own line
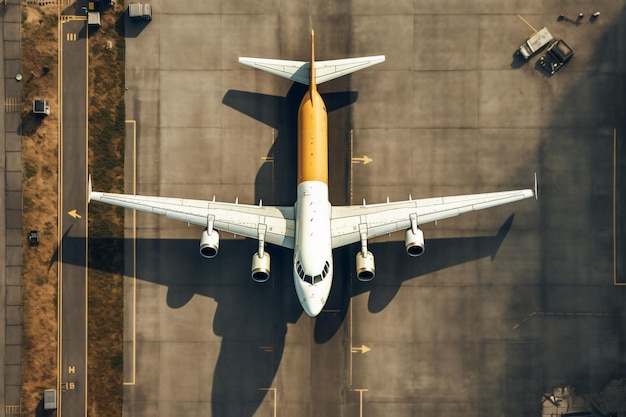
(312, 306)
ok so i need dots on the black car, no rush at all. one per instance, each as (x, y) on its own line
(556, 56)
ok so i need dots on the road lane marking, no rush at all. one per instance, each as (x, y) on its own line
(275, 397)
(564, 314)
(360, 391)
(134, 277)
(615, 282)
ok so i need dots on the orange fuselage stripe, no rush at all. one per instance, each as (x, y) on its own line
(312, 139)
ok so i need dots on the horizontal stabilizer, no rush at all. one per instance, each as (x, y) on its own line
(298, 71)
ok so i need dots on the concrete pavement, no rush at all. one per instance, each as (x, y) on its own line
(495, 313)
(11, 233)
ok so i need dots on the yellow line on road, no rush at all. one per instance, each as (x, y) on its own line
(85, 176)
(615, 209)
(275, 397)
(68, 18)
(351, 165)
(360, 391)
(134, 277)
(564, 314)
(529, 25)
(59, 211)
(350, 336)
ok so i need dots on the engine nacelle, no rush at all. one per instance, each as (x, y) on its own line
(365, 267)
(260, 267)
(209, 243)
(414, 243)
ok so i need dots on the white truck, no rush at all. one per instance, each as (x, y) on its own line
(50, 399)
(533, 44)
(140, 11)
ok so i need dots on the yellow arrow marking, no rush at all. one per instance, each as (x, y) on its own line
(362, 349)
(74, 214)
(364, 160)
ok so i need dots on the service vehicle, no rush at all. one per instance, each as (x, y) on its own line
(141, 11)
(556, 56)
(533, 44)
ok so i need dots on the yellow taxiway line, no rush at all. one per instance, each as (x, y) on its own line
(134, 277)
(615, 209)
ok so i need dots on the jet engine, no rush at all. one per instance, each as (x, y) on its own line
(414, 243)
(260, 267)
(365, 268)
(209, 243)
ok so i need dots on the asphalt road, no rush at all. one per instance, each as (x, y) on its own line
(504, 305)
(73, 175)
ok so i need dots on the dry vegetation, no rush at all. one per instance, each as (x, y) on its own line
(39, 153)
(40, 144)
(106, 227)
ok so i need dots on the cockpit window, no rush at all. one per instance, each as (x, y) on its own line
(312, 279)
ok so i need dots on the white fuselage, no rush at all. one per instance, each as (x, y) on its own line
(312, 261)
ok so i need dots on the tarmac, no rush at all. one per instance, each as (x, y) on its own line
(504, 305)
(11, 233)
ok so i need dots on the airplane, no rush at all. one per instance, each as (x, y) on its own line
(312, 227)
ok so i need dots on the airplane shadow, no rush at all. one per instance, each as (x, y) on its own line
(275, 182)
(249, 315)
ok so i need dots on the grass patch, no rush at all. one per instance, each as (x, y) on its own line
(106, 223)
(39, 185)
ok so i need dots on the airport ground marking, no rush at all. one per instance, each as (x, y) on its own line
(273, 389)
(615, 210)
(350, 336)
(351, 166)
(74, 214)
(564, 314)
(59, 208)
(362, 160)
(68, 18)
(86, 202)
(363, 349)
(11, 409)
(529, 25)
(360, 391)
(134, 277)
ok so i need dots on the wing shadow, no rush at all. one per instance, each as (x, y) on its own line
(394, 267)
(247, 311)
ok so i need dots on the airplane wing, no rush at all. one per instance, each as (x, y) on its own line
(241, 219)
(298, 71)
(348, 222)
